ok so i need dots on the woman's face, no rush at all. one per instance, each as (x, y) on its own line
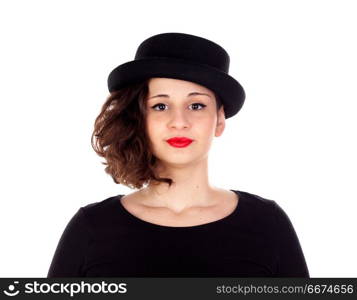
(185, 109)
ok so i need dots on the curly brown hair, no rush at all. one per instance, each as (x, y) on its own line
(120, 137)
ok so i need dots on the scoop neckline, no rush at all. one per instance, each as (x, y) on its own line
(205, 225)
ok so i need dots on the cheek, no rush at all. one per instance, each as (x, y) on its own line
(153, 127)
(206, 125)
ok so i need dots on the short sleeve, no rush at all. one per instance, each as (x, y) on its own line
(291, 260)
(69, 257)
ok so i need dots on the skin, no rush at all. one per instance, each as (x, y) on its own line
(177, 115)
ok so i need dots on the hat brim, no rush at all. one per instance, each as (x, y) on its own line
(226, 87)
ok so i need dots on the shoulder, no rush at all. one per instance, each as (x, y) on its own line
(99, 205)
(256, 202)
(263, 208)
(259, 210)
(100, 210)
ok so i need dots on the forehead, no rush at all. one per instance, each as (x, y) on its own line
(171, 85)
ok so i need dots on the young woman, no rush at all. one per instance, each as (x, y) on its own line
(155, 131)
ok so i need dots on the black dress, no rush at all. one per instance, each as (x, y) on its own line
(103, 239)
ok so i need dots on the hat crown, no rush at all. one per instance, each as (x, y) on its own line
(183, 46)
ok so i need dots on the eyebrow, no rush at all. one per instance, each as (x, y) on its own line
(188, 95)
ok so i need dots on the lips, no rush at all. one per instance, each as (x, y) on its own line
(179, 142)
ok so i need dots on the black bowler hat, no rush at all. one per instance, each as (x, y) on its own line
(186, 57)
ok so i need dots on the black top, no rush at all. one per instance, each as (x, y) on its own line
(103, 239)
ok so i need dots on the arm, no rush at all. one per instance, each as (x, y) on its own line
(68, 259)
(291, 260)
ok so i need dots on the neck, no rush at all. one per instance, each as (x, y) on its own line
(190, 188)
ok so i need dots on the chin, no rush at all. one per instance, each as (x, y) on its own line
(176, 160)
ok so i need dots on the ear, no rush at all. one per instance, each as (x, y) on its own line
(221, 122)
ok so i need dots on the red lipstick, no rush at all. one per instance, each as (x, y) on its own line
(179, 141)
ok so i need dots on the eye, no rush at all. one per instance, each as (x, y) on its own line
(162, 105)
(158, 105)
(202, 105)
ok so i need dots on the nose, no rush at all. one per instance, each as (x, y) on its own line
(178, 119)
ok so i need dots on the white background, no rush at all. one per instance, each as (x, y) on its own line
(294, 141)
